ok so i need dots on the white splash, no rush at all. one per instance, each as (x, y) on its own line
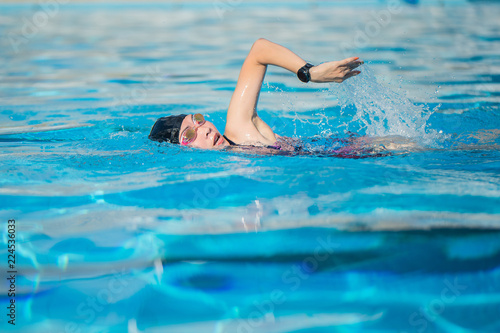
(382, 111)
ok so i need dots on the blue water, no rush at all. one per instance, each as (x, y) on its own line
(116, 233)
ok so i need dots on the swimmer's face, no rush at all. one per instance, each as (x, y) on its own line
(207, 136)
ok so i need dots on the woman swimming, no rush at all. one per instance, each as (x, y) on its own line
(243, 125)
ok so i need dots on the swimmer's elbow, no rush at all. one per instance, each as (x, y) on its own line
(258, 49)
(259, 42)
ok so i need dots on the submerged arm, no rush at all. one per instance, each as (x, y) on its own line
(243, 123)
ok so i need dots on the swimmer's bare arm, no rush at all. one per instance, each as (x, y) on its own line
(243, 123)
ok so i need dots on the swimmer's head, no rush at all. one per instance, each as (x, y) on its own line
(189, 130)
(167, 129)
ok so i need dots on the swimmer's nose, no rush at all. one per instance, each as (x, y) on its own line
(207, 130)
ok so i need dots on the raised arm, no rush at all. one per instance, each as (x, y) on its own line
(242, 123)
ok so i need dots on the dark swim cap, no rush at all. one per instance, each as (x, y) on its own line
(167, 129)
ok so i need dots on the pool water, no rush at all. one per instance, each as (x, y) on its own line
(116, 233)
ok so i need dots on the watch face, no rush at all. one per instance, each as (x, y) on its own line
(303, 73)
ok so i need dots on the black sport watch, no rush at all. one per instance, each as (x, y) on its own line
(303, 73)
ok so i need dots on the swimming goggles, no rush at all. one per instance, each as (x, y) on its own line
(189, 134)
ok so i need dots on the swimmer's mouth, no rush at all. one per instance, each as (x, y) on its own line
(216, 138)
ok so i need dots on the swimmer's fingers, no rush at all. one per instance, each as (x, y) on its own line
(351, 64)
(348, 60)
(355, 64)
(335, 71)
(348, 72)
(348, 65)
(351, 74)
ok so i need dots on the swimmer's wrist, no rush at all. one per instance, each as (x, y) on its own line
(313, 73)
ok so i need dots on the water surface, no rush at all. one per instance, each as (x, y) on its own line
(116, 233)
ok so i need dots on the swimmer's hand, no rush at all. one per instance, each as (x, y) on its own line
(335, 71)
